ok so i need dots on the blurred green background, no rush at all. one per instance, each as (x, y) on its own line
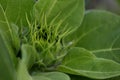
(109, 5)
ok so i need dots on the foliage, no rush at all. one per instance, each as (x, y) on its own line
(56, 40)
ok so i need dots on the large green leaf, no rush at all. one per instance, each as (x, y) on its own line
(3, 3)
(61, 11)
(100, 33)
(10, 32)
(7, 70)
(16, 10)
(50, 76)
(79, 61)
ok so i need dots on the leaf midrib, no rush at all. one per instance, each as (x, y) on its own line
(105, 50)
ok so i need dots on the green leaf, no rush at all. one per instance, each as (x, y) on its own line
(50, 76)
(79, 61)
(7, 70)
(10, 30)
(16, 10)
(15, 38)
(3, 3)
(22, 72)
(40, 78)
(10, 33)
(76, 77)
(100, 33)
(29, 57)
(61, 11)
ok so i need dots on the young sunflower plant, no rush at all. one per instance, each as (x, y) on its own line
(57, 40)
